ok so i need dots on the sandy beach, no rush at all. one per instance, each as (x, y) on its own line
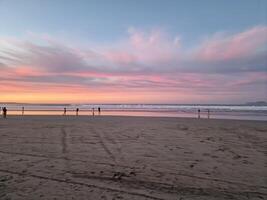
(105, 157)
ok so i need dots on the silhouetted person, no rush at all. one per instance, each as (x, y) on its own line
(22, 110)
(65, 111)
(77, 111)
(208, 113)
(93, 111)
(198, 113)
(4, 112)
(99, 110)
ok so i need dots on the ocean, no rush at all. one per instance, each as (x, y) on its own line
(242, 112)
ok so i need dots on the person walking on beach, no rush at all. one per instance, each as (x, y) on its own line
(198, 113)
(99, 110)
(4, 112)
(65, 111)
(93, 111)
(77, 111)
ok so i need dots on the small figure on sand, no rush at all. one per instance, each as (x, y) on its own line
(93, 111)
(65, 111)
(77, 111)
(4, 112)
(208, 113)
(22, 110)
(198, 113)
(99, 111)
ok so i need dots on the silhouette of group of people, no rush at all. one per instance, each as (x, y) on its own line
(77, 111)
(208, 111)
(4, 112)
(98, 109)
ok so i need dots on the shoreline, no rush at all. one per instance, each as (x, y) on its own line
(129, 116)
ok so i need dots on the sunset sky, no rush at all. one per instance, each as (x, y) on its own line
(133, 51)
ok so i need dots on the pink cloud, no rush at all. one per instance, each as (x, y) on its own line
(235, 46)
(28, 71)
(120, 57)
(249, 79)
(145, 47)
(154, 47)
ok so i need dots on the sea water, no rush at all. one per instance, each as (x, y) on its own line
(246, 112)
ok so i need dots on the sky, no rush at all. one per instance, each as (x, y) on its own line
(125, 51)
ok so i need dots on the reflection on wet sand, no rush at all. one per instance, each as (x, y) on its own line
(204, 114)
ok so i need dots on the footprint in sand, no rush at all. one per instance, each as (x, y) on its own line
(5, 178)
(206, 154)
(236, 157)
(133, 173)
(118, 175)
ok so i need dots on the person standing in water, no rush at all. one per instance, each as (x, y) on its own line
(4, 112)
(198, 113)
(208, 113)
(77, 111)
(22, 110)
(93, 111)
(65, 111)
(99, 111)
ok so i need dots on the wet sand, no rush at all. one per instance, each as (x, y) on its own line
(105, 157)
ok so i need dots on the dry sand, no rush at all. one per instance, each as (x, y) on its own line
(105, 157)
